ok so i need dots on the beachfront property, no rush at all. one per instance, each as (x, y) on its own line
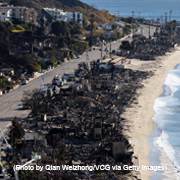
(5, 14)
(59, 15)
(28, 15)
(109, 26)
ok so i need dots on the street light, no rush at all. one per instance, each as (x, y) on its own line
(133, 21)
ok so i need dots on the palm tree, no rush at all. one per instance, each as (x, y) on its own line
(91, 41)
(170, 15)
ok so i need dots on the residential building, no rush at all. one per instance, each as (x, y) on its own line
(110, 35)
(5, 14)
(8, 71)
(109, 26)
(59, 15)
(28, 15)
(3, 4)
(75, 16)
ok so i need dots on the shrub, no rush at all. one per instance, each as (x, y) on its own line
(55, 64)
(84, 42)
(19, 27)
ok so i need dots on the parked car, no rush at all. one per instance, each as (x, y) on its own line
(78, 56)
(25, 82)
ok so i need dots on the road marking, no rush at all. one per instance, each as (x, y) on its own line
(10, 107)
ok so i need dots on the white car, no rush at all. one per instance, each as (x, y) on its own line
(25, 82)
(78, 56)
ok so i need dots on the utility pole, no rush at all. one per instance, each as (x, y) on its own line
(149, 31)
(118, 15)
(153, 16)
(101, 51)
(86, 56)
(133, 21)
(139, 16)
(171, 29)
(141, 30)
(110, 48)
(165, 17)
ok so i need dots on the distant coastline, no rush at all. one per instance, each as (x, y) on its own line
(149, 9)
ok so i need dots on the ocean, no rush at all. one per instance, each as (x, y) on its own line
(150, 9)
(165, 140)
(167, 117)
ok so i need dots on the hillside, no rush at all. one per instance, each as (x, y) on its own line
(65, 5)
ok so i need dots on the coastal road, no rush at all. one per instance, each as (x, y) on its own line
(10, 103)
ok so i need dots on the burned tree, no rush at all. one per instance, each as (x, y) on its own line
(36, 101)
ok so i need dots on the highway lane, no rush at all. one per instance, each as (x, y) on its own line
(10, 103)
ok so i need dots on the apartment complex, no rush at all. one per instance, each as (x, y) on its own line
(28, 15)
(5, 14)
(59, 15)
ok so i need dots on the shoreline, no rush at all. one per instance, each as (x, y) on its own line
(139, 117)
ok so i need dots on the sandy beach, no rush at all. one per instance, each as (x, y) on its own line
(138, 124)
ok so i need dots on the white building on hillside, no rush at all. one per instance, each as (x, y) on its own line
(5, 14)
(59, 15)
(75, 16)
(28, 15)
(109, 26)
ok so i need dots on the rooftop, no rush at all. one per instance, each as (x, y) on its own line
(4, 9)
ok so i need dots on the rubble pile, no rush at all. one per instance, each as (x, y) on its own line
(86, 128)
(147, 49)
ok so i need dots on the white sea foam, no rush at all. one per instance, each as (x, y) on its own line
(167, 108)
(166, 149)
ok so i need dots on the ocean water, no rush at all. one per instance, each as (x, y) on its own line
(144, 8)
(167, 117)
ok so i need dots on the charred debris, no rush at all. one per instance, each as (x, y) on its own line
(162, 41)
(82, 123)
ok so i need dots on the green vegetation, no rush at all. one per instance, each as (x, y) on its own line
(52, 62)
(14, 28)
(33, 153)
(84, 43)
(5, 84)
(27, 174)
(40, 6)
(80, 9)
